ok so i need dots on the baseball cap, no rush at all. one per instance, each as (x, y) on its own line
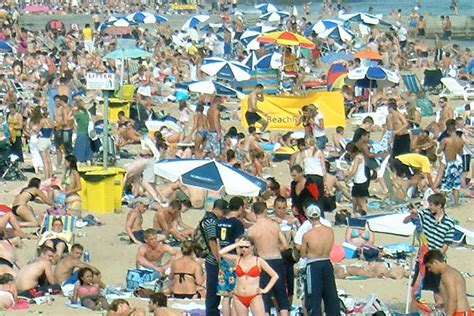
(313, 212)
(141, 199)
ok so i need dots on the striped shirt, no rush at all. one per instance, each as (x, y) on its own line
(438, 233)
(209, 226)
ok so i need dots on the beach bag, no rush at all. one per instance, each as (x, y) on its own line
(91, 128)
(201, 247)
(370, 253)
(137, 277)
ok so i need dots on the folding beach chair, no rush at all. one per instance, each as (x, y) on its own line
(69, 223)
(456, 89)
(411, 83)
(432, 79)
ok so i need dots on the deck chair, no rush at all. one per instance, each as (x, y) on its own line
(69, 222)
(432, 79)
(411, 83)
(456, 89)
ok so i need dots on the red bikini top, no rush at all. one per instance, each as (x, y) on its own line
(253, 272)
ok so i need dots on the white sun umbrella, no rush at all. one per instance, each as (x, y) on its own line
(364, 18)
(210, 175)
(266, 7)
(249, 36)
(224, 69)
(325, 24)
(270, 61)
(212, 87)
(194, 21)
(275, 16)
(338, 33)
(251, 60)
(294, 11)
(146, 18)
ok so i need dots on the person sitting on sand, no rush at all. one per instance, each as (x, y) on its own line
(168, 220)
(151, 253)
(38, 275)
(20, 206)
(127, 134)
(8, 293)
(65, 273)
(371, 270)
(186, 274)
(158, 305)
(57, 238)
(360, 237)
(121, 307)
(89, 292)
(134, 222)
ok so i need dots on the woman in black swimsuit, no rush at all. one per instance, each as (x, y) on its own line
(20, 207)
(186, 274)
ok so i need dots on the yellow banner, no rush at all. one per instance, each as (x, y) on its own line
(281, 111)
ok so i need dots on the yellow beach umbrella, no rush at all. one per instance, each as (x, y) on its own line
(286, 39)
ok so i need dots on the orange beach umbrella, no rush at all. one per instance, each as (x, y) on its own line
(286, 39)
(368, 54)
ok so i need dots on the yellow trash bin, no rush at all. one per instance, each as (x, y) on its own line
(83, 193)
(118, 186)
(100, 190)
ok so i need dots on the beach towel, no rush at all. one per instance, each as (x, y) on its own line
(20, 304)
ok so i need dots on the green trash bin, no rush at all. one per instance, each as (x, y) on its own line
(100, 190)
(118, 185)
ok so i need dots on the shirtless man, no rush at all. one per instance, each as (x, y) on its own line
(214, 138)
(158, 305)
(151, 253)
(446, 113)
(62, 117)
(168, 220)
(134, 222)
(8, 258)
(63, 88)
(452, 147)
(65, 272)
(250, 143)
(37, 275)
(253, 114)
(201, 127)
(269, 241)
(453, 285)
(399, 124)
(320, 284)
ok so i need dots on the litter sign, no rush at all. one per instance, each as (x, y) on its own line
(101, 81)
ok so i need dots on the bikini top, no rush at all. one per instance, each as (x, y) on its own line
(253, 272)
(84, 290)
(182, 276)
(355, 234)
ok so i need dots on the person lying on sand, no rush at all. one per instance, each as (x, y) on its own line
(8, 258)
(158, 305)
(371, 270)
(121, 307)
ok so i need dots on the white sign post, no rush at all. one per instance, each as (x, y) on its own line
(105, 82)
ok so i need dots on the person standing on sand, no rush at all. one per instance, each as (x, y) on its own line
(253, 113)
(399, 124)
(214, 142)
(454, 285)
(320, 283)
(438, 229)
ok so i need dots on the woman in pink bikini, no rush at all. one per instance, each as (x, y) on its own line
(89, 292)
(247, 291)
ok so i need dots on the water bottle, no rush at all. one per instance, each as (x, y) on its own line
(48, 297)
(87, 256)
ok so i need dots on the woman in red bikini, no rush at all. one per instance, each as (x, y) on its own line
(247, 292)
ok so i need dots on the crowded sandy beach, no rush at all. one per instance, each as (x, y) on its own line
(223, 158)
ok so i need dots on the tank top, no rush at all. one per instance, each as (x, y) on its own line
(313, 166)
(359, 176)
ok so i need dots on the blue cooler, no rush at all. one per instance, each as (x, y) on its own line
(349, 250)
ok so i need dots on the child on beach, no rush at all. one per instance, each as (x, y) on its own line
(89, 293)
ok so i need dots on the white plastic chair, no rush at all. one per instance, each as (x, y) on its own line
(455, 89)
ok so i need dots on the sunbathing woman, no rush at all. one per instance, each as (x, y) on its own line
(20, 207)
(247, 292)
(359, 237)
(186, 274)
(89, 292)
(72, 185)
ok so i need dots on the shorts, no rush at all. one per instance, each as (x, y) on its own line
(431, 281)
(402, 170)
(139, 235)
(226, 278)
(213, 145)
(452, 176)
(447, 34)
(252, 118)
(149, 172)
(360, 189)
(321, 142)
(401, 145)
(466, 163)
(64, 138)
(421, 32)
(278, 291)
(44, 143)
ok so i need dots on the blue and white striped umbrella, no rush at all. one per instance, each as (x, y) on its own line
(276, 16)
(194, 21)
(270, 61)
(338, 33)
(321, 26)
(210, 175)
(251, 60)
(213, 27)
(267, 7)
(252, 33)
(224, 69)
(117, 21)
(6, 47)
(146, 18)
(212, 87)
(372, 77)
(364, 18)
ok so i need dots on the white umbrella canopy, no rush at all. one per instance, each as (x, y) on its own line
(226, 70)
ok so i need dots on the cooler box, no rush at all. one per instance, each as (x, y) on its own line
(100, 190)
(118, 186)
(350, 250)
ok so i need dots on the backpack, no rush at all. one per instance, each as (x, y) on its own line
(201, 246)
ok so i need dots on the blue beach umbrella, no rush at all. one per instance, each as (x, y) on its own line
(249, 36)
(212, 87)
(6, 47)
(270, 61)
(213, 27)
(146, 18)
(338, 33)
(226, 70)
(251, 60)
(116, 21)
(194, 21)
(276, 16)
(364, 18)
(321, 26)
(267, 7)
(210, 175)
